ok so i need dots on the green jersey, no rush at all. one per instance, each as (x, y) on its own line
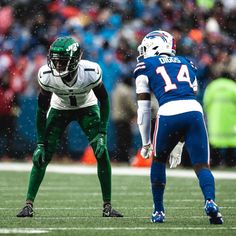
(219, 103)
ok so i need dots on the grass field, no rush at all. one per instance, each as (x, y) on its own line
(71, 204)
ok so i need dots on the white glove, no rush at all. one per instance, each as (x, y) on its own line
(175, 155)
(146, 151)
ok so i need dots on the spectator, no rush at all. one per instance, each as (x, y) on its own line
(123, 114)
(8, 113)
(220, 106)
(113, 29)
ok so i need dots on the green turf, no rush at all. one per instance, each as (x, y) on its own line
(71, 205)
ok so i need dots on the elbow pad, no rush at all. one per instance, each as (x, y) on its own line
(144, 120)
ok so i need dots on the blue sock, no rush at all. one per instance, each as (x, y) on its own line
(158, 181)
(207, 183)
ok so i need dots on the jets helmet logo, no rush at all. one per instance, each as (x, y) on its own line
(73, 47)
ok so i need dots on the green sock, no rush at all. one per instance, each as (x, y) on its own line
(36, 178)
(104, 175)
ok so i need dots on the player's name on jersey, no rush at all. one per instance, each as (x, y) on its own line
(164, 60)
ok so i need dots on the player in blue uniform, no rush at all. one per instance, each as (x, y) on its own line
(172, 79)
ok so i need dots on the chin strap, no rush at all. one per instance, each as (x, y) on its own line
(70, 78)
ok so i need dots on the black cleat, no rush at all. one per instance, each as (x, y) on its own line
(108, 211)
(26, 211)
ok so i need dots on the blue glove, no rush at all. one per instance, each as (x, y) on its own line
(101, 144)
(39, 155)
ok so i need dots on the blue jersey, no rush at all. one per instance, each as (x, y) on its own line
(170, 78)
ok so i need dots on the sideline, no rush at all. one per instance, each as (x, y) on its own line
(116, 170)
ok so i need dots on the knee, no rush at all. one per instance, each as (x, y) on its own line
(199, 166)
(40, 167)
(159, 159)
(44, 163)
(104, 151)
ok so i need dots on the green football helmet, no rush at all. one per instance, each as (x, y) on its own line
(64, 56)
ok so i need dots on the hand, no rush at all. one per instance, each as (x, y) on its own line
(39, 155)
(101, 144)
(146, 151)
(175, 155)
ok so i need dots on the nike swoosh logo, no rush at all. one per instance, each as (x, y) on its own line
(106, 213)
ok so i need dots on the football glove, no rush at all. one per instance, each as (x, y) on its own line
(146, 151)
(175, 155)
(39, 155)
(101, 144)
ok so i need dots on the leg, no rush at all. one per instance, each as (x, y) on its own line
(230, 157)
(165, 138)
(89, 120)
(199, 155)
(123, 140)
(56, 124)
(158, 182)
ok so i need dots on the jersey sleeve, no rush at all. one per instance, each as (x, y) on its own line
(141, 78)
(195, 85)
(194, 69)
(191, 64)
(43, 78)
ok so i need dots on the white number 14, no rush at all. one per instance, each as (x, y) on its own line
(183, 76)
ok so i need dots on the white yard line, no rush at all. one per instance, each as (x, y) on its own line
(83, 169)
(23, 231)
(46, 230)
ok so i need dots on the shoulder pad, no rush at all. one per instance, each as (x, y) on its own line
(93, 72)
(140, 66)
(191, 63)
(43, 76)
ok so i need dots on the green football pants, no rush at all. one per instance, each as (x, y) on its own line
(57, 120)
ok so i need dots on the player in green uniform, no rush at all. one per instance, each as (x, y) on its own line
(70, 91)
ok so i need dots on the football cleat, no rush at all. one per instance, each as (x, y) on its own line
(26, 211)
(158, 217)
(108, 211)
(212, 211)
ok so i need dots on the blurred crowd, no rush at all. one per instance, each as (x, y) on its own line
(109, 32)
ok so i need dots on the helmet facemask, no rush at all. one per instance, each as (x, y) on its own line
(64, 56)
(156, 43)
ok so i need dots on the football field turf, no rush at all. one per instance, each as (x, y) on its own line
(71, 204)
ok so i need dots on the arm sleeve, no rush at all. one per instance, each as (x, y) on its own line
(142, 85)
(41, 114)
(144, 105)
(103, 98)
(144, 121)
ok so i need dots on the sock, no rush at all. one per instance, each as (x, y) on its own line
(158, 181)
(104, 175)
(36, 178)
(207, 184)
